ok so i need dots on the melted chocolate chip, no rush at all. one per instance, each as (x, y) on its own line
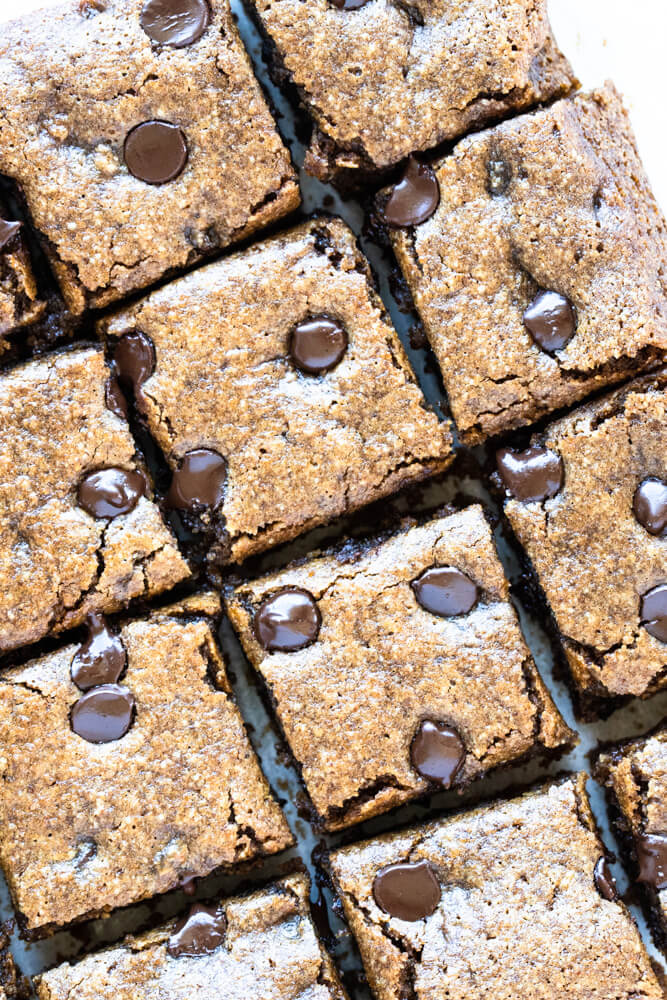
(155, 152)
(8, 231)
(550, 320)
(134, 358)
(104, 714)
(200, 933)
(650, 506)
(349, 4)
(654, 612)
(111, 492)
(414, 198)
(317, 345)
(114, 398)
(500, 176)
(102, 657)
(652, 856)
(288, 620)
(199, 481)
(437, 752)
(530, 475)
(175, 22)
(445, 591)
(407, 891)
(604, 880)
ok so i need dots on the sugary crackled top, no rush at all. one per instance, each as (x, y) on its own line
(518, 912)
(557, 200)
(300, 448)
(76, 78)
(57, 561)
(594, 558)
(351, 702)
(390, 78)
(86, 827)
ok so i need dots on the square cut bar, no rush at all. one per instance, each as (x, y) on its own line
(412, 673)
(262, 946)
(77, 531)
(19, 300)
(540, 277)
(635, 774)
(278, 370)
(588, 502)
(386, 79)
(173, 793)
(513, 899)
(139, 147)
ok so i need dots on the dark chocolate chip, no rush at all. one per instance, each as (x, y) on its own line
(414, 198)
(530, 475)
(654, 612)
(650, 506)
(445, 591)
(437, 752)
(110, 492)
(349, 4)
(102, 657)
(8, 231)
(500, 176)
(604, 880)
(407, 891)
(134, 358)
(155, 152)
(652, 857)
(550, 320)
(317, 345)
(114, 398)
(288, 620)
(104, 714)
(200, 933)
(199, 480)
(175, 22)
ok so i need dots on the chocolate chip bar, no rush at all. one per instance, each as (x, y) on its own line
(131, 772)
(19, 299)
(397, 668)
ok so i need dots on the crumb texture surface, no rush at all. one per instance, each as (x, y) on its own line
(57, 562)
(556, 200)
(270, 952)
(88, 827)
(351, 702)
(77, 79)
(519, 914)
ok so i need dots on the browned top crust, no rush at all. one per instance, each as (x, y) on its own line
(57, 562)
(593, 558)
(519, 913)
(557, 200)
(76, 78)
(86, 827)
(350, 703)
(392, 78)
(300, 449)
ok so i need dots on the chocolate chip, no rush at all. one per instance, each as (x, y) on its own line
(650, 506)
(155, 152)
(407, 891)
(530, 475)
(104, 714)
(317, 345)
(349, 4)
(288, 620)
(200, 933)
(102, 657)
(134, 358)
(110, 492)
(437, 752)
(550, 320)
(8, 231)
(500, 176)
(114, 398)
(175, 22)
(654, 612)
(414, 198)
(199, 480)
(445, 591)
(652, 856)
(604, 880)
